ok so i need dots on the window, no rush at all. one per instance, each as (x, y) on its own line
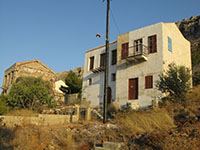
(113, 76)
(138, 46)
(91, 63)
(90, 81)
(169, 44)
(114, 57)
(124, 53)
(102, 60)
(152, 44)
(148, 82)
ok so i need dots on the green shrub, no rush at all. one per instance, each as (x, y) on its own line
(175, 82)
(3, 105)
(73, 82)
(196, 57)
(29, 93)
(196, 78)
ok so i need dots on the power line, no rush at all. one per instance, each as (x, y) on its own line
(114, 20)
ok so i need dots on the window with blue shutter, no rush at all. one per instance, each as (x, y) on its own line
(169, 44)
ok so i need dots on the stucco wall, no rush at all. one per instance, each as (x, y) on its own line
(94, 93)
(181, 53)
(153, 66)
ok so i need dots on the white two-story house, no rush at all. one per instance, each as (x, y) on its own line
(142, 55)
(93, 77)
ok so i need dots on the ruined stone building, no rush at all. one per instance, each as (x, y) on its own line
(33, 68)
(136, 60)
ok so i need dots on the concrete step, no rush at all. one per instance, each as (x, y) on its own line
(97, 113)
(112, 145)
(101, 148)
(109, 146)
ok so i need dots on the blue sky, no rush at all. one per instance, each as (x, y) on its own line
(58, 32)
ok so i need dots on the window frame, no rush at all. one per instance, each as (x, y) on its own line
(114, 57)
(113, 77)
(89, 81)
(169, 44)
(102, 59)
(91, 63)
(124, 50)
(149, 82)
(152, 44)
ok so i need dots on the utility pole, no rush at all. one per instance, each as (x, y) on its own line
(106, 75)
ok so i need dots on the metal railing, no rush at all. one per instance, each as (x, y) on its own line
(139, 49)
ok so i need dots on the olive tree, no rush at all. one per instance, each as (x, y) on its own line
(29, 93)
(175, 82)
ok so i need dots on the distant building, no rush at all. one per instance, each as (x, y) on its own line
(142, 55)
(58, 85)
(33, 68)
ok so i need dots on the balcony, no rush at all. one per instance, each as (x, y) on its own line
(97, 70)
(137, 53)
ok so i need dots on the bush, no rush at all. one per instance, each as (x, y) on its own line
(175, 82)
(29, 93)
(196, 78)
(73, 82)
(3, 105)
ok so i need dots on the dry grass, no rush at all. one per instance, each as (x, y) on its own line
(29, 137)
(145, 121)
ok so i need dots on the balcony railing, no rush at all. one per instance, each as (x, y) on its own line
(137, 52)
(97, 70)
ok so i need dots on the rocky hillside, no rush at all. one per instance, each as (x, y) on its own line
(190, 29)
(62, 75)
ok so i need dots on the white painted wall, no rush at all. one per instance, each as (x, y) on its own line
(155, 65)
(94, 93)
(58, 84)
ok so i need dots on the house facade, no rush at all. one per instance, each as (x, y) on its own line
(142, 55)
(93, 76)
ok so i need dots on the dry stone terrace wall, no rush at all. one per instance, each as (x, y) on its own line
(41, 119)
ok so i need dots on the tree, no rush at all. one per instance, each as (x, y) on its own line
(175, 82)
(29, 93)
(73, 82)
(3, 105)
(196, 78)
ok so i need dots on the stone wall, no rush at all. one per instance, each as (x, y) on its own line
(41, 119)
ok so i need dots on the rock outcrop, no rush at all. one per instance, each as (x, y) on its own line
(190, 28)
(62, 75)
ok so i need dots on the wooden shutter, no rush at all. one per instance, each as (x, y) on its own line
(102, 60)
(91, 63)
(154, 44)
(124, 52)
(148, 82)
(114, 57)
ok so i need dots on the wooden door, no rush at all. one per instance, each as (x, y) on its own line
(133, 89)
